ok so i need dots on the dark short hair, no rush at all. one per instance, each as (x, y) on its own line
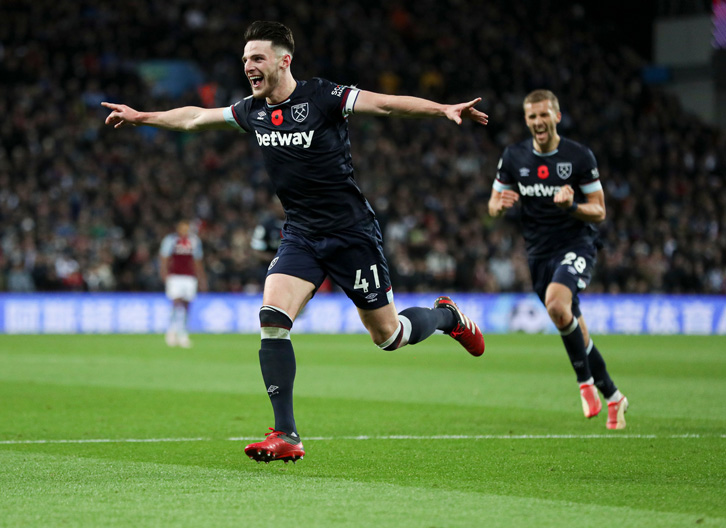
(279, 34)
(542, 95)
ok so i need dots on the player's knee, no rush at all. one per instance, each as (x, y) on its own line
(274, 323)
(395, 336)
(559, 312)
(390, 341)
(380, 333)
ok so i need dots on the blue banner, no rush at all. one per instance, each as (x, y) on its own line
(75, 313)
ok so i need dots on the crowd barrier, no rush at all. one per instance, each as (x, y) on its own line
(78, 313)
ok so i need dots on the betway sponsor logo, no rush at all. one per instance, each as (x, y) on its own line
(537, 189)
(285, 139)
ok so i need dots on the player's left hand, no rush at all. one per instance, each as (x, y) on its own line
(121, 115)
(458, 112)
(564, 197)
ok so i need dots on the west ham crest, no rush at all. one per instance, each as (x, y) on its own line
(564, 170)
(299, 112)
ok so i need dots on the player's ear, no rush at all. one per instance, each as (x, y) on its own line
(559, 117)
(286, 60)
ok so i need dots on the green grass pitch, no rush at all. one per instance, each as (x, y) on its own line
(123, 431)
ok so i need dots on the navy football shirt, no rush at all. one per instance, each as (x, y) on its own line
(546, 227)
(306, 149)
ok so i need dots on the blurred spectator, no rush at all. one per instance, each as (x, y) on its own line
(19, 280)
(440, 266)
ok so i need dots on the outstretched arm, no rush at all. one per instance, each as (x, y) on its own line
(404, 106)
(190, 118)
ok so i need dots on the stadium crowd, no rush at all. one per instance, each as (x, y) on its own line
(83, 207)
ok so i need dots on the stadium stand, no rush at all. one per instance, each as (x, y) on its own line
(84, 208)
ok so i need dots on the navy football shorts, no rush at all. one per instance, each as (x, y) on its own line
(572, 267)
(352, 257)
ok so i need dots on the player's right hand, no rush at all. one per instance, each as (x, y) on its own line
(121, 115)
(508, 199)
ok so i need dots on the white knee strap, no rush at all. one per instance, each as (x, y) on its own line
(274, 323)
(400, 337)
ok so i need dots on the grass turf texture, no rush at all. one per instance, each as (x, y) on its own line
(133, 387)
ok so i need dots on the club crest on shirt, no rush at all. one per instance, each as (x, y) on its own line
(564, 170)
(299, 112)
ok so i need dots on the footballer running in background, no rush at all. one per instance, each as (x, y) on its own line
(330, 228)
(558, 184)
(182, 271)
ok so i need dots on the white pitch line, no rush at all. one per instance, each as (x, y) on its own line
(104, 441)
(614, 436)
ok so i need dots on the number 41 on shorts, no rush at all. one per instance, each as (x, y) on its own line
(361, 283)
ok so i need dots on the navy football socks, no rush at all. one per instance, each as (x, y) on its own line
(277, 361)
(425, 321)
(575, 345)
(599, 371)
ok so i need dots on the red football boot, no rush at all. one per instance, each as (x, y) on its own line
(591, 404)
(616, 413)
(466, 331)
(277, 446)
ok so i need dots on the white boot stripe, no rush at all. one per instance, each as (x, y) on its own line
(468, 323)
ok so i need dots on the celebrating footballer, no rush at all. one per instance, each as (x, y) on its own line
(558, 184)
(330, 228)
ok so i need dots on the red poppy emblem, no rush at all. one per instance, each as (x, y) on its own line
(543, 172)
(277, 117)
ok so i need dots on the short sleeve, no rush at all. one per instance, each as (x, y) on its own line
(504, 180)
(336, 100)
(589, 177)
(236, 115)
(167, 246)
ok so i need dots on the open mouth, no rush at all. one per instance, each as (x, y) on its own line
(256, 81)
